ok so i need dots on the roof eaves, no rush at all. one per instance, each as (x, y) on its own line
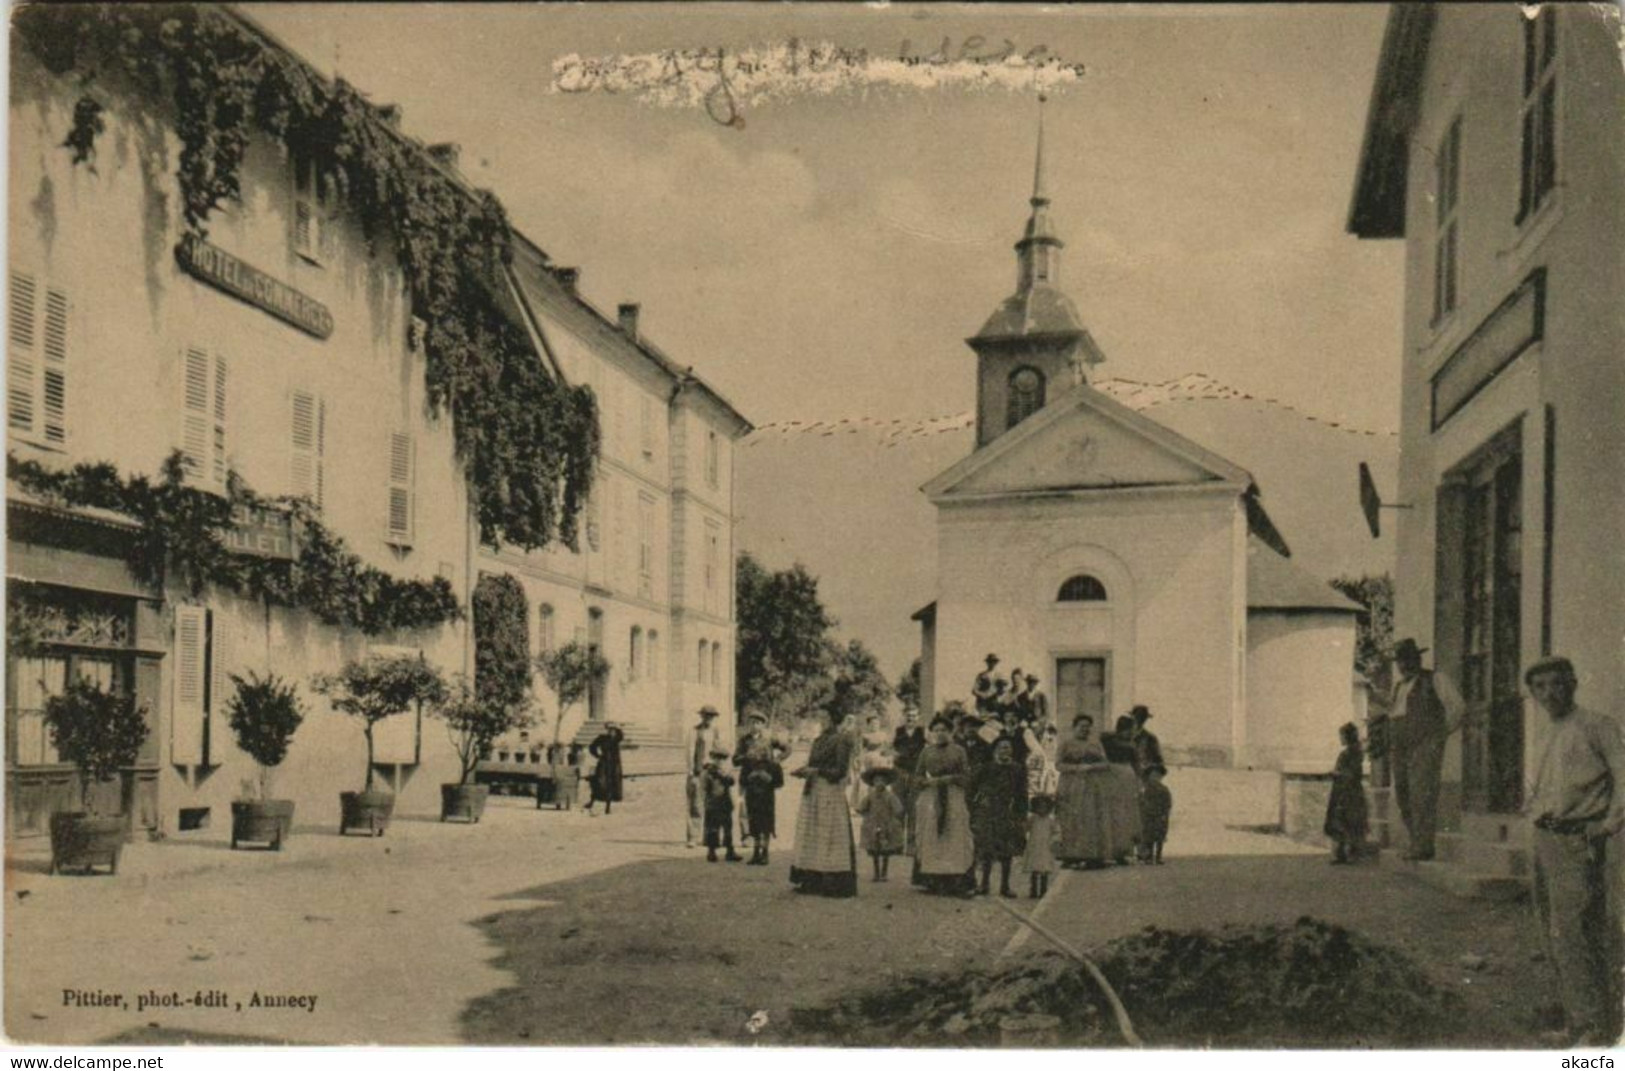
(1377, 209)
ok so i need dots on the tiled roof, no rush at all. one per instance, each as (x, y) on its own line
(1274, 583)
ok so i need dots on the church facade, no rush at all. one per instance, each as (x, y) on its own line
(1119, 561)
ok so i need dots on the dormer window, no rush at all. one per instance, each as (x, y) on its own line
(1026, 395)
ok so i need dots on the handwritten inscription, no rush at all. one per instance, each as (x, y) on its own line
(723, 82)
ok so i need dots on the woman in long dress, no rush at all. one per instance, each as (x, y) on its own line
(606, 778)
(826, 860)
(1084, 798)
(1124, 759)
(1346, 818)
(944, 854)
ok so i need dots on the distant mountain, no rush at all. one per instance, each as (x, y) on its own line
(843, 497)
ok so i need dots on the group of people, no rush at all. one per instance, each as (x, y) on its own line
(1575, 802)
(977, 788)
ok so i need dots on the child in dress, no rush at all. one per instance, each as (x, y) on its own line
(1040, 858)
(1346, 817)
(998, 814)
(760, 777)
(1156, 803)
(882, 811)
(716, 789)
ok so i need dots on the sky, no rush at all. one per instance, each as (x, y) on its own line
(827, 256)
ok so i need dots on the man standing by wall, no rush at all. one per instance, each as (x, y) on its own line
(1426, 709)
(1577, 803)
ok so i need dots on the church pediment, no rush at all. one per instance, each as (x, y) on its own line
(1085, 441)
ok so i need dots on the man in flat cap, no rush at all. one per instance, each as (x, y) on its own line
(1577, 803)
(1426, 709)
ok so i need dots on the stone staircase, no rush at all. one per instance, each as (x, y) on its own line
(1487, 857)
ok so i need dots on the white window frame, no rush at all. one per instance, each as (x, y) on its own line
(312, 202)
(1537, 112)
(1447, 225)
(400, 496)
(38, 316)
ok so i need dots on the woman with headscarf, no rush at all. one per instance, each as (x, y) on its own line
(1084, 798)
(826, 860)
(944, 853)
(1125, 788)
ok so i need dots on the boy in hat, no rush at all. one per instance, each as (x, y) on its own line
(716, 788)
(1147, 748)
(760, 776)
(983, 690)
(882, 811)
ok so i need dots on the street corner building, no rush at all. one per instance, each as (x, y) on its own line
(270, 350)
(1495, 148)
(1120, 561)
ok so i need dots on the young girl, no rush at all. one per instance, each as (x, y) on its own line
(760, 778)
(882, 812)
(1040, 858)
(1346, 810)
(998, 821)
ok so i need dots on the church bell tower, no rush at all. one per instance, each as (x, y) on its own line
(1034, 347)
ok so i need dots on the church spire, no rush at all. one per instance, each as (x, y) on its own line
(1038, 258)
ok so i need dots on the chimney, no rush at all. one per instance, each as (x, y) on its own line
(567, 277)
(445, 153)
(627, 314)
(391, 114)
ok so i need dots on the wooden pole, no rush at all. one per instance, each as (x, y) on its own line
(1124, 1024)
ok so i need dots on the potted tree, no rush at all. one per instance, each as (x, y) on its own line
(370, 690)
(474, 723)
(570, 671)
(264, 713)
(101, 733)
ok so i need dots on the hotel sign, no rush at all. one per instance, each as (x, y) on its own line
(220, 269)
(262, 533)
(1516, 324)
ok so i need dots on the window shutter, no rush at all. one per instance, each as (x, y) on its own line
(22, 385)
(401, 504)
(55, 398)
(219, 453)
(186, 723)
(220, 689)
(196, 438)
(309, 431)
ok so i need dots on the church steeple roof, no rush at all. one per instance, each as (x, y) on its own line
(1037, 307)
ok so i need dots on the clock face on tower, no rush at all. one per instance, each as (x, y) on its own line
(1026, 380)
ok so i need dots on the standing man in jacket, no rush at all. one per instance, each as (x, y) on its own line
(1426, 709)
(702, 740)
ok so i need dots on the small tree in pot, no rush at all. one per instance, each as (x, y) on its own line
(370, 690)
(474, 723)
(101, 733)
(570, 671)
(264, 714)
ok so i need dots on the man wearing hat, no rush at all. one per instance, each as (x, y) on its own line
(1577, 803)
(755, 733)
(702, 740)
(1147, 748)
(984, 690)
(1426, 709)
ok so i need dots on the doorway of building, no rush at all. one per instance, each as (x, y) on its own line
(1491, 546)
(1080, 688)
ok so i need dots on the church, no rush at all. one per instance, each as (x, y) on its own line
(1121, 562)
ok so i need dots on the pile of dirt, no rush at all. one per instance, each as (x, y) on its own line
(1311, 983)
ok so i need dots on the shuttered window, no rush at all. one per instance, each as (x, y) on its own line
(312, 224)
(191, 657)
(402, 504)
(307, 478)
(203, 418)
(37, 351)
